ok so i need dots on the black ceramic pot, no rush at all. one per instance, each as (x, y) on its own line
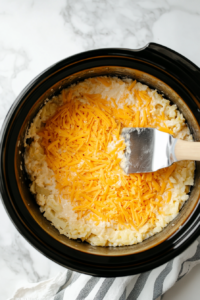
(158, 67)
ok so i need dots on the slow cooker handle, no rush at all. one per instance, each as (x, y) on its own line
(173, 56)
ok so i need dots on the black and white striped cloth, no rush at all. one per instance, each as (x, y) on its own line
(149, 286)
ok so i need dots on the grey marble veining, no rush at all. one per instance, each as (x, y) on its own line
(35, 34)
(113, 23)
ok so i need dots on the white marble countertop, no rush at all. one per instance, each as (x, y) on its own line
(35, 34)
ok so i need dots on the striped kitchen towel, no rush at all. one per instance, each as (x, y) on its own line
(150, 285)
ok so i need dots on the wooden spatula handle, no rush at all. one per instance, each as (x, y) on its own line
(187, 150)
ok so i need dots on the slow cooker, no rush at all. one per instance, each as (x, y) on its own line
(160, 68)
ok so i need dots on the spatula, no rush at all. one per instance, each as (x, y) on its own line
(148, 150)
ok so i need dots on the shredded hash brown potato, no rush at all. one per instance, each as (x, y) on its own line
(75, 155)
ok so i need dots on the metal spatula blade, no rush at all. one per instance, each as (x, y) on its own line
(147, 150)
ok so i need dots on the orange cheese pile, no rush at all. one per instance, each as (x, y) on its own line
(76, 141)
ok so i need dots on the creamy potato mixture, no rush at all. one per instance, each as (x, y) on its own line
(74, 161)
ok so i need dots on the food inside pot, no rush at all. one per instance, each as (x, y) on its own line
(74, 162)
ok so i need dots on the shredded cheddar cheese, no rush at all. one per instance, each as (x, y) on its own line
(76, 143)
(74, 163)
